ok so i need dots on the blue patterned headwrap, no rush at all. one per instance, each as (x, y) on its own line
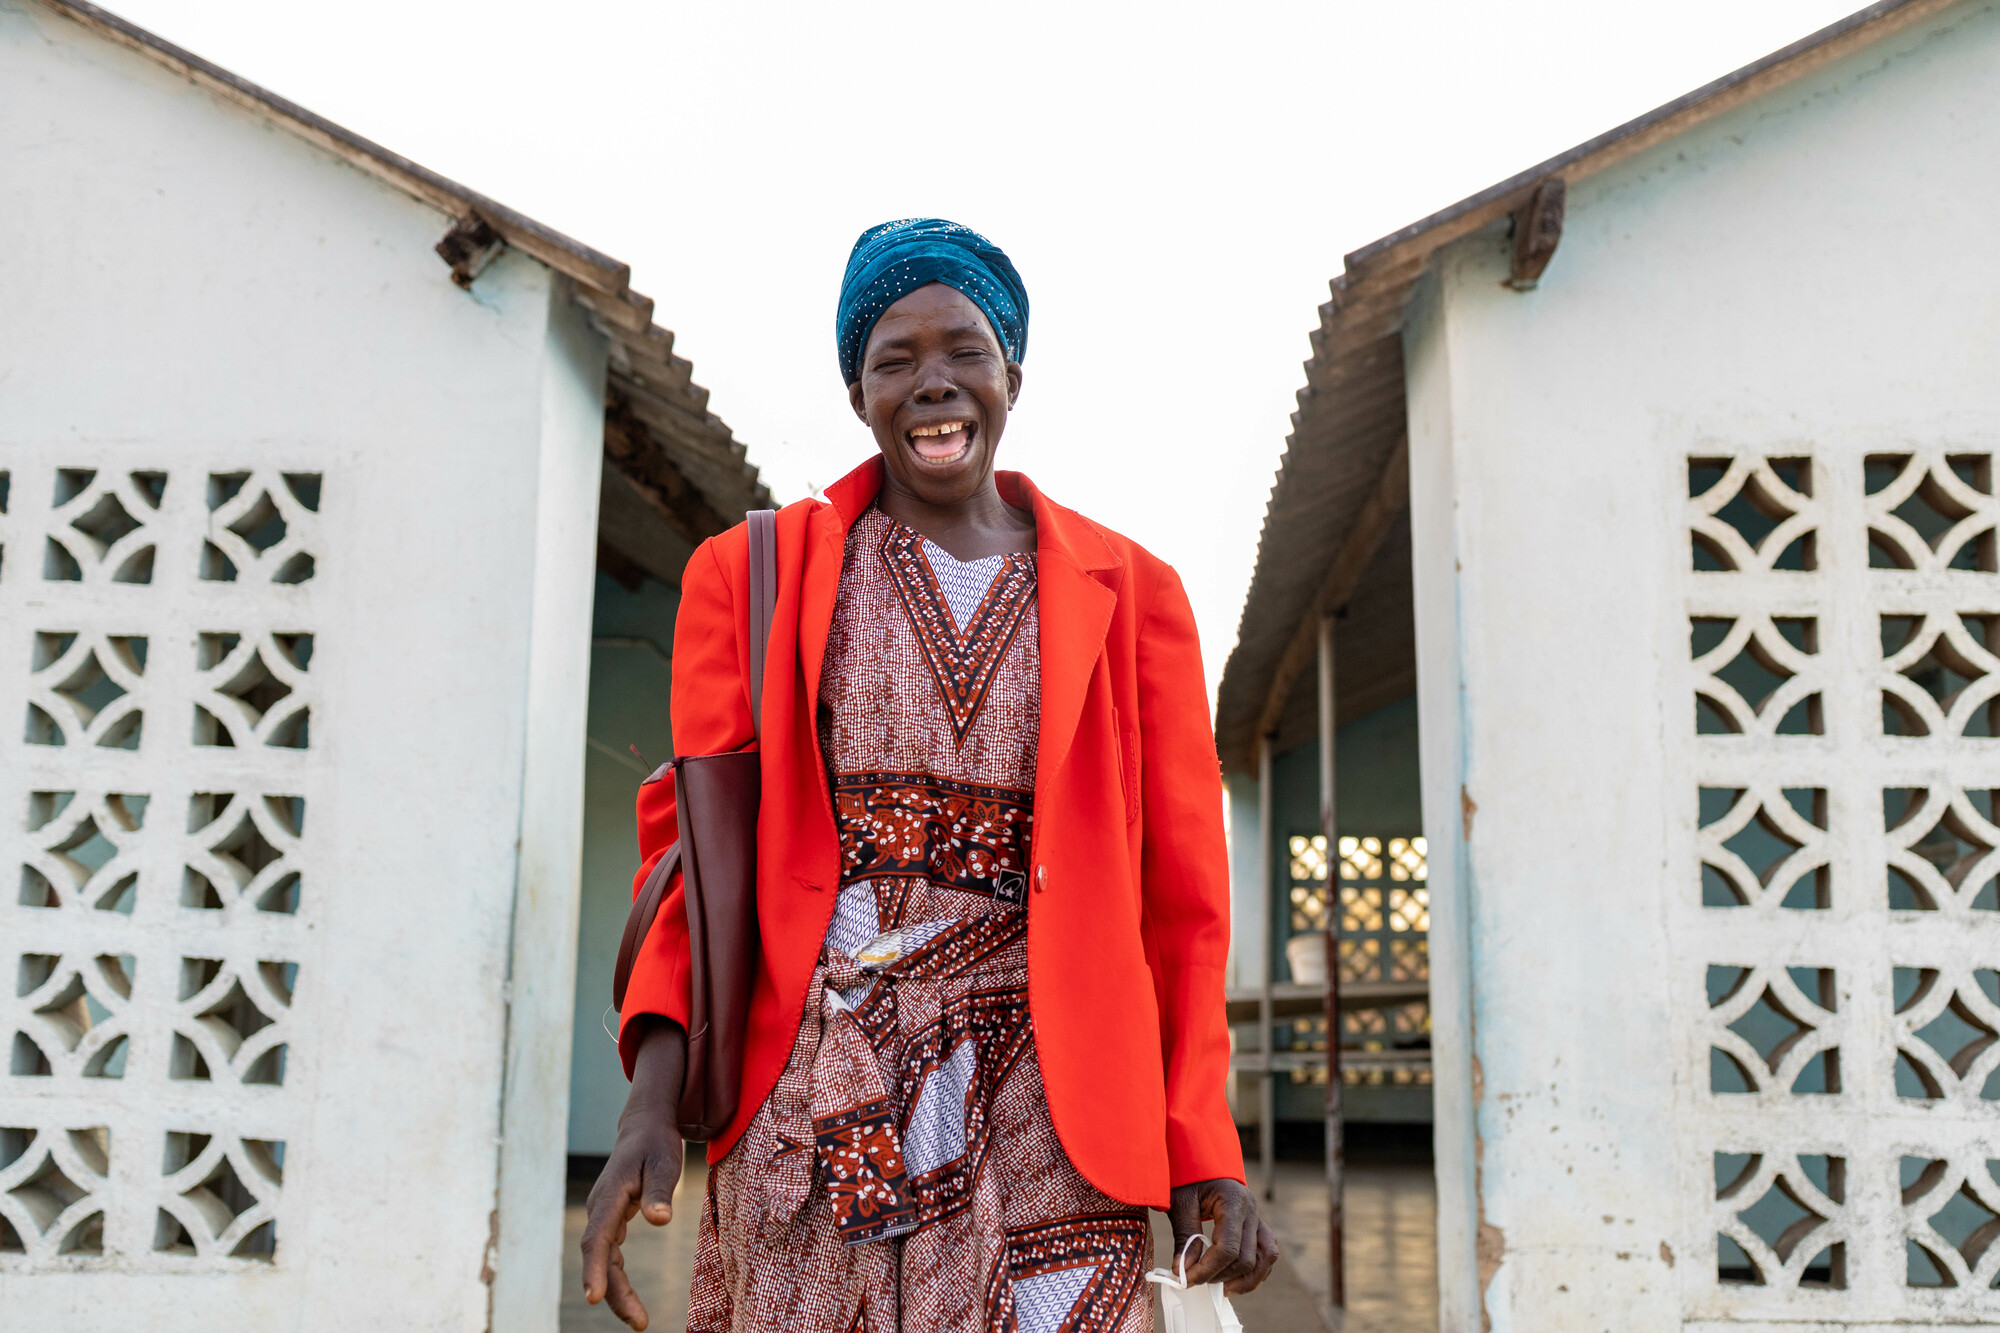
(894, 259)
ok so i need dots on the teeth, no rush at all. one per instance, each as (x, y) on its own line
(948, 428)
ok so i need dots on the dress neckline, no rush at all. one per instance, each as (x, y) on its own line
(963, 623)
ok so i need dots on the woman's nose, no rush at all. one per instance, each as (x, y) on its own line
(934, 385)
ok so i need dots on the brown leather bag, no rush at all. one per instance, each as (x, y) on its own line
(715, 802)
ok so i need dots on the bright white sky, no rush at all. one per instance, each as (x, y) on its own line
(1177, 184)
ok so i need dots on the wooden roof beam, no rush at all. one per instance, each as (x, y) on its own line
(1538, 227)
(1364, 539)
(664, 486)
(630, 314)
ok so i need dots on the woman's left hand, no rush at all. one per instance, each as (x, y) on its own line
(1241, 1251)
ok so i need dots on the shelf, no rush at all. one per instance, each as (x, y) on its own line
(1253, 1062)
(1291, 1000)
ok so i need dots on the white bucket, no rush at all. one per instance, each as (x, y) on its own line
(1307, 956)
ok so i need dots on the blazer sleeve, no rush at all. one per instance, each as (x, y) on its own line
(1184, 877)
(711, 715)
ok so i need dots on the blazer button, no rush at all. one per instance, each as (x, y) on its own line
(1041, 878)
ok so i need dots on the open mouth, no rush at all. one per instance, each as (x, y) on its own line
(944, 442)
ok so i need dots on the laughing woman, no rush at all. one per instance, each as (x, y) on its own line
(987, 769)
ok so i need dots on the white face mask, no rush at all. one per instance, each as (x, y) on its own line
(1200, 1309)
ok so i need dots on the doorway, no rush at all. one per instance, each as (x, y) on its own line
(1359, 863)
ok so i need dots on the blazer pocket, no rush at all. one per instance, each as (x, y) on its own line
(1128, 766)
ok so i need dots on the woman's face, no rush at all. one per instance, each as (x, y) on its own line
(935, 388)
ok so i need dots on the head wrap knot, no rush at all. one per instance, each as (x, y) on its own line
(894, 259)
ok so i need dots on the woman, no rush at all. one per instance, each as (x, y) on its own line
(987, 769)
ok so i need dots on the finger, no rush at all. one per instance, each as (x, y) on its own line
(1178, 1246)
(593, 1266)
(598, 1240)
(1184, 1221)
(663, 1172)
(1214, 1262)
(625, 1302)
(1246, 1250)
(612, 1184)
(1227, 1240)
(1267, 1258)
(626, 1214)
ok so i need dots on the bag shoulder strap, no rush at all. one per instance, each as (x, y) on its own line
(763, 602)
(639, 922)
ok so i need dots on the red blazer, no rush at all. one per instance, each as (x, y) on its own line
(1128, 920)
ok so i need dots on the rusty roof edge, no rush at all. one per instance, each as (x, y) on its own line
(1349, 286)
(1862, 18)
(583, 263)
(589, 267)
(697, 421)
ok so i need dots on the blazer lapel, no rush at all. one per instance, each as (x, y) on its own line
(1077, 576)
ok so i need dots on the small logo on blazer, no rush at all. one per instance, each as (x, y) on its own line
(1010, 886)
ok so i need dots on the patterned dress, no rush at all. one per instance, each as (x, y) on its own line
(904, 1173)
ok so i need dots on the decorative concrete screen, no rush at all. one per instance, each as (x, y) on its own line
(1838, 1010)
(296, 545)
(156, 918)
(1706, 597)
(289, 874)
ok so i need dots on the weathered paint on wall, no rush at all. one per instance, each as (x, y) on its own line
(1448, 811)
(541, 974)
(195, 293)
(1810, 275)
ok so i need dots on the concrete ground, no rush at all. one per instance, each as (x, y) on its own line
(1391, 1243)
(1391, 1256)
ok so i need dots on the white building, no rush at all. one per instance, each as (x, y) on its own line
(1696, 590)
(297, 540)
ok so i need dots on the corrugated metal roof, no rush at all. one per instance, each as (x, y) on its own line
(668, 424)
(1351, 410)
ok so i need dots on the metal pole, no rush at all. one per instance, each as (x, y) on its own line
(1267, 1093)
(1336, 1145)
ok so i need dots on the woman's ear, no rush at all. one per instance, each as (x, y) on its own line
(858, 400)
(1013, 383)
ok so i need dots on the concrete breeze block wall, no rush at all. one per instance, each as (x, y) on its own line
(295, 571)
(1774, 329)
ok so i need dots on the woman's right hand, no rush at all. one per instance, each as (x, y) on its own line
(644, 1167)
